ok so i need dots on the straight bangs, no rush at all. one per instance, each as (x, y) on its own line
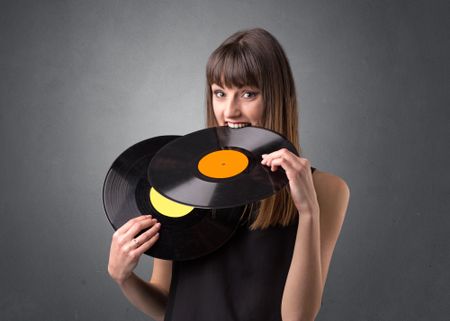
(234, 65)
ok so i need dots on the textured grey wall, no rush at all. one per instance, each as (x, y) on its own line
(83, 80)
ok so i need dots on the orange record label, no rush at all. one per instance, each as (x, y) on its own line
(223, 163)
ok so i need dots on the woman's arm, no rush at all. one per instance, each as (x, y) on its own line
(317, 233)
(150, 297)
(127, 246)
(145, 296)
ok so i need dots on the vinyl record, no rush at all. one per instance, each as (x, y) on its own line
(219, 167)
(186, 232)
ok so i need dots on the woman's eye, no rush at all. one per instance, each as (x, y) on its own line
(219, 93)
(249, 94)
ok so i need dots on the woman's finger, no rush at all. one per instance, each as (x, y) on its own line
(149, 233)
(144, 237)
(277, 153)
(124, 228)
(138, 227)
(147, 245)
(130, 246)
(281, 162)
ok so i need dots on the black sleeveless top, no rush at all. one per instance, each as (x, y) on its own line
(241, 281)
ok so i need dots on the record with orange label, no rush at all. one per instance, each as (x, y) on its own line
(186, 232)
(219, 167)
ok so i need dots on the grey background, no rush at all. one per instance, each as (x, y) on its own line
(83, 80)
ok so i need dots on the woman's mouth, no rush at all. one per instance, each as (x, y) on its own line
(237, 125)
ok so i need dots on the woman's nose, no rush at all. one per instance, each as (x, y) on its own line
(232, 109)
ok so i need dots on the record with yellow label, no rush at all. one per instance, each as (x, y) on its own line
(186, 232)
(219, 167)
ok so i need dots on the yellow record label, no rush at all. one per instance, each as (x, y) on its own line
(168, 207)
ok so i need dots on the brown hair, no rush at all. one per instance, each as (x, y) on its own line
(255, 58)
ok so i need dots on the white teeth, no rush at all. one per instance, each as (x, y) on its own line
(239, 125)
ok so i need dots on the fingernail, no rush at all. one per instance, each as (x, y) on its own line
(264, 155)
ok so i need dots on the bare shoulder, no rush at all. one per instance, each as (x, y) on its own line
(333, 193)
(326, 183)
(162, 274)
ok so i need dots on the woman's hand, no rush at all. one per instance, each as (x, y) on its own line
(127, 247)
(298, 171)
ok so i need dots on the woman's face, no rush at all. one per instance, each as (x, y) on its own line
(237, 107)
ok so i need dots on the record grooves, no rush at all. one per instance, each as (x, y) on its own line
(177, 173)
(126, 194)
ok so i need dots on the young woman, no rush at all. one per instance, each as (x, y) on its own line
(275, 266)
